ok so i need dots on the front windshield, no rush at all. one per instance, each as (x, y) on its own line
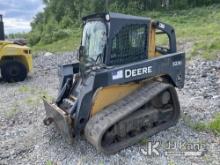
(94, 39)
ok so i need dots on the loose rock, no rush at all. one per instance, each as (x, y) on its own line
(25, 140)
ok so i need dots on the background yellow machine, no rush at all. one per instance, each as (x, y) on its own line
(15, 58)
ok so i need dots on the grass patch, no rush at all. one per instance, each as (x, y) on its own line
(12, 112)
(101, 163)
(37, 98)
(33, 100)
(212, 126)
(205, 49)
(199, 126)
(34, 95)
(49, 162)
(24, 89)
(30, 101)
(171, 162)
(46, 95)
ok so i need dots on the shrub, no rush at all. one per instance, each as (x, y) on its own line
(46, 39)
(34, 38)
(66, 22)
(60, 34)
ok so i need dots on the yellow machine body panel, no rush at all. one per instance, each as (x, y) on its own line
(109, 95)
(23, 53)
(152, 42)
(152, 53)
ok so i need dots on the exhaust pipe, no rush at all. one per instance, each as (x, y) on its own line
(2, 34)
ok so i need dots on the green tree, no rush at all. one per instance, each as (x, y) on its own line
(59, 15)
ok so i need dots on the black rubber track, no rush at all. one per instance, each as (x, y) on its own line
(97, 126)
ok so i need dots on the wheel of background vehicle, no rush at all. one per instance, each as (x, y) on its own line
(13, 71)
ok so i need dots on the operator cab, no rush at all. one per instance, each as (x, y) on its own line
(114, 39)
(117, 39)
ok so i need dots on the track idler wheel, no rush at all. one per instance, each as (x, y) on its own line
(161, 100)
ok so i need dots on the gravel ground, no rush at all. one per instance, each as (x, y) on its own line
(25, 140)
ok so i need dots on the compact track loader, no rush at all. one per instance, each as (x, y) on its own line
(122, 89)
(15, 58)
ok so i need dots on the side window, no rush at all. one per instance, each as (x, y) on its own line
(129, 45)
(162, 42)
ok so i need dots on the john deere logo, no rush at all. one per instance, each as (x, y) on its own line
(128, 73)
(137, 72)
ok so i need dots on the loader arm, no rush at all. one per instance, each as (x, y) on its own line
(67, 72)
